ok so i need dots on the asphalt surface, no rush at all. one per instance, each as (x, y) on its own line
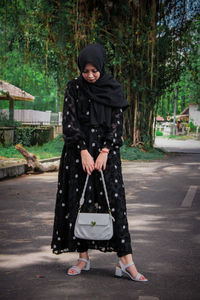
(165, 237)
(174, 145)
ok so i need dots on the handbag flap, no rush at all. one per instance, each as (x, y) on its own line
(89, 218)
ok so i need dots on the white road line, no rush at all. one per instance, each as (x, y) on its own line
(187, 202)
(147, 298)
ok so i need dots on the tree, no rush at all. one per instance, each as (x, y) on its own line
(188, 83)
(147, 50)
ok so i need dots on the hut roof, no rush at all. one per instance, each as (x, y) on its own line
(185, 111)
(9, 91)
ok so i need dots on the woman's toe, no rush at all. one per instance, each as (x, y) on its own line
(142, 278)
(71, 271)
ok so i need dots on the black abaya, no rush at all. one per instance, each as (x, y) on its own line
(78, 135)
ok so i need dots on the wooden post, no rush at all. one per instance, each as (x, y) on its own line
(175, 101)
(11, 110)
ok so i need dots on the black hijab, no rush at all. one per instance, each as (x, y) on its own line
(106, 92)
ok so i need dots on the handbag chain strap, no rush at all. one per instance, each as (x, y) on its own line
(104, 185)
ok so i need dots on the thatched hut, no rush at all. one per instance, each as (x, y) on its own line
(12, 93)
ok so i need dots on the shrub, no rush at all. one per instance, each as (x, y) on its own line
(41, 135)
(5, 122)
(23, 136)
(192, 126)
(159, 133)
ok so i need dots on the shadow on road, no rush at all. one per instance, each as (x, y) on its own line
(165, 238)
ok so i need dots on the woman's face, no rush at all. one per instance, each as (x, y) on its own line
(90, 73)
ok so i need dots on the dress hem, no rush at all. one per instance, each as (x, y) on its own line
(60, 251)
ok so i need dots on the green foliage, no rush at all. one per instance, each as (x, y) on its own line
(28, 136)
(23, 136)
(188, 83)
(150, 45)
(4, 121)
(51, 149)
(159, 133)
(127, 142)
(134, 153)
(192, 126)
(10, 152)
(146, 141)
(54, 148)
(30, 78)
(41, 135)
(171, 136)
(47, 150)
(180, 137)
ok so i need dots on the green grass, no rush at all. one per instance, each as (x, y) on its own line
(51, 149)
(134, 153)
(54, 148)
(180, 137)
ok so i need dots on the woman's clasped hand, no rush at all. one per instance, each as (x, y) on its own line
(88, 163)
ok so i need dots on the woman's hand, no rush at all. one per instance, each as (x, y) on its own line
(87, 161)
(101, 161)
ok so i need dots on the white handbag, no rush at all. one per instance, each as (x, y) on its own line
(94, 226)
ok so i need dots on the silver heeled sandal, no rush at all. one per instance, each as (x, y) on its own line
(119, 272)
(78, 271)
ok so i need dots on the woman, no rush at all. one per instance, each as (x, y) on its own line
(92, 130)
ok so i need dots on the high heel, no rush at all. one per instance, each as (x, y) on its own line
(119, 272)
(78, 271)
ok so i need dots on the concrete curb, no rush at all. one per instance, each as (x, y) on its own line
(19, 169)
(13, 171)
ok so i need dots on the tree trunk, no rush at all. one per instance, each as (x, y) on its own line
(34, 163)
(135, 121)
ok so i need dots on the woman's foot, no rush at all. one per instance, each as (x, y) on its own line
(132, 270)
(80, 264)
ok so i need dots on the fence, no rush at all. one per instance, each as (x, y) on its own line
(35, 117)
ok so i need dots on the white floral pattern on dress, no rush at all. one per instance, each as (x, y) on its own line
(75, 140)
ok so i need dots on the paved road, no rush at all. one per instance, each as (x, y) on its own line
(163, 201)
(175, 145)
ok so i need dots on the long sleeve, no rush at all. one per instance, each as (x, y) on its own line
(113, 137)
(72, 133)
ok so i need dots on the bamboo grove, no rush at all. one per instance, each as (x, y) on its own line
(145, 42)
